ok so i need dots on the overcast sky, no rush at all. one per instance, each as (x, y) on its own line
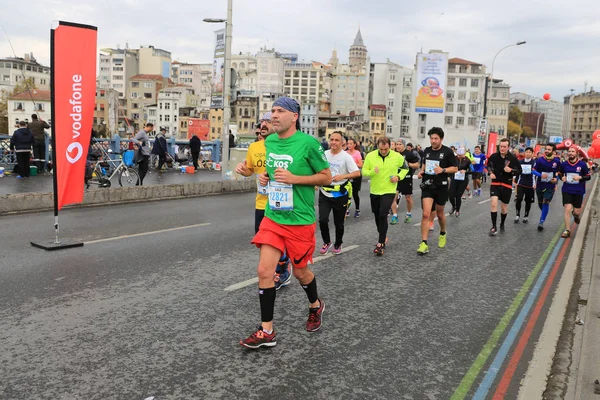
(562, 50)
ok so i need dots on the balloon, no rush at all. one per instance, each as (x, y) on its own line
(547, 96)
(596, 146)
(596, 135)
(591, 152)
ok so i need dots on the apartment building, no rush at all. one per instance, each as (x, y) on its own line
(15, 69)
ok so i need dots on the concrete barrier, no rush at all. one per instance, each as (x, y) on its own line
(32, 202)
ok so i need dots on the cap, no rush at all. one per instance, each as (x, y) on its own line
(163, 129)
(409, 144)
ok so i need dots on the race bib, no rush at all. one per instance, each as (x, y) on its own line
(549, 177)
(459, 176)
(571, 178)
(430, 165)
(477, 160)
(281, 196)
(526, 169)
(260, 189)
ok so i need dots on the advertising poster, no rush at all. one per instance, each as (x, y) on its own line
(218, 75)
(198, 127)
(431, 82)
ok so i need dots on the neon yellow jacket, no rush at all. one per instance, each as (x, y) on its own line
(393, 165)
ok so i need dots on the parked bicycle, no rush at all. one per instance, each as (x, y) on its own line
(103, 169)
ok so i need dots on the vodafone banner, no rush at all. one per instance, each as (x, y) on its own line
(492, 142)
(198, 127)
(73, 58)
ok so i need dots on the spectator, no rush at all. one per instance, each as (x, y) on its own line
(143, 153)
(22, 141)
(160, 148)
(324, 144)
(37, 127)
(231, 143)
(195, 147)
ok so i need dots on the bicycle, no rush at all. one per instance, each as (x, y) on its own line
(103, 171)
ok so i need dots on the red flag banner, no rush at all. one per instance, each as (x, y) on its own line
(198, 127)
(73, 58)
(492, 142)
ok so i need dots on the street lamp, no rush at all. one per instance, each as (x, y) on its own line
(227, 87)
(492, 83)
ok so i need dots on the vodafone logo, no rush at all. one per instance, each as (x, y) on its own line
(74, 152)
(191, 122)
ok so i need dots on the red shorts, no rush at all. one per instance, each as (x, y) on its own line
(298, 241)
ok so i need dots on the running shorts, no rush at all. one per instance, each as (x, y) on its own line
(574, 199)
(439, 195)
(544, 195)
(298, 241)
(405, 186)
(501, 192)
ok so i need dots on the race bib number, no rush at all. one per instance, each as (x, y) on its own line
(459, 176)
(430, 166)
(526, 169)
(571, 178)
(281, 196)
(260, 189)
(477, 160)
(549, 177)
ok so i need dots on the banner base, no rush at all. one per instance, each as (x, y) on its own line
(51, 245)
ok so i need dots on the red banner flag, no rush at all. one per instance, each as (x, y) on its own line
(198, 127)
(73, 59)
(492, 142)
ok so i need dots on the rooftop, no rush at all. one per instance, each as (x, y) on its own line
(358, 40)
(461, 61)
(35, 94)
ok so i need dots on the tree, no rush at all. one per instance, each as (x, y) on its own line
(515, 115)
(514, 129)
(527, 131)
(20, 87)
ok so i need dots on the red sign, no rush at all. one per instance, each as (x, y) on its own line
(492, 142)
(198, 127)
(73, 57)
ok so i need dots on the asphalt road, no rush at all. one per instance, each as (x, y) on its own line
(146, 314)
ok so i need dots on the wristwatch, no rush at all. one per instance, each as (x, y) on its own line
(443, 170)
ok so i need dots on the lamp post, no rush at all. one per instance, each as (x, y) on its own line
(537, 128)
(226, 89)
(485, 102)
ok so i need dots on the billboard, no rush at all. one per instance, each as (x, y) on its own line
(218, 75)
(431, 82)
(198, 127)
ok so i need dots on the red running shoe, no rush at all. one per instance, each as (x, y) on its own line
(314, 317)
(258, 339)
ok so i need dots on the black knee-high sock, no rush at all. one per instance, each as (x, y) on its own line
(503, 218)
(527, 209)
(267, 303)
(494, 218)
(311, 290)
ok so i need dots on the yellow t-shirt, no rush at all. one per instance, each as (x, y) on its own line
(255, 161)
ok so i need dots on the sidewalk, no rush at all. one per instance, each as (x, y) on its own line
(43, 183)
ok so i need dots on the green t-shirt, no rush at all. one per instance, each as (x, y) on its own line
(302, 155)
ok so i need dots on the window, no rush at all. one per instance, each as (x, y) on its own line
(460, 120)
(160, 117)
(460, 108)
(473, 96)
(472, 108)
(451, 81)
(40, 107)
(147, 95)
(117, 68)
(148, 84)
(392, 77)
(392, 90)
(135, 116)
(449, 120)
(135, 105)
(462, 82)
(472, 121)
(153, 113)
(449, 107)
(117, 77)
(167, 118)
(134, 95)
(450, 94)
(462, 95)
(19, 106)
(167, 106)
(474, 82)
(391, 103)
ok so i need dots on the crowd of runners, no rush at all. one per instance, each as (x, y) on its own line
(290, 166)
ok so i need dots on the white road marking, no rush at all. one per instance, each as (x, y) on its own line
(484, 201)
(435, 219)
(249, 282)
(147, 233)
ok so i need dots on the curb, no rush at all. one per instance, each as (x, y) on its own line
(35, 202)
(535, 381)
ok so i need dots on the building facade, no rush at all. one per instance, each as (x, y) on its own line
(244, 114)
(309, 119)
(553, 115)
(522, 101)
(499, 105)
(14, 70)
(377, 120)
(584, 117)
(198, 76)
(21, 106)
(172, 103)
(143, 92)
(245, 66)
(153, 61)
(302, 82)
(215, 117)
(117, 67)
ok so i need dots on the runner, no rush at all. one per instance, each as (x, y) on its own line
(478, 165)
(546, 168)
(574, 173)
(525, 185)
(438, 162)
(459, 181)
(295, 164)
(255, 164)
(356, 182)
(405, 186)
(502, 165)
(385, 167)
(335, 195)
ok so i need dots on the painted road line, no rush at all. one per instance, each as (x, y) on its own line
(146, 233)
(490, 376)
(465, 385)
(435, 219)
(533, 318)
(534, 383)
(484, 201)
(317, 259)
